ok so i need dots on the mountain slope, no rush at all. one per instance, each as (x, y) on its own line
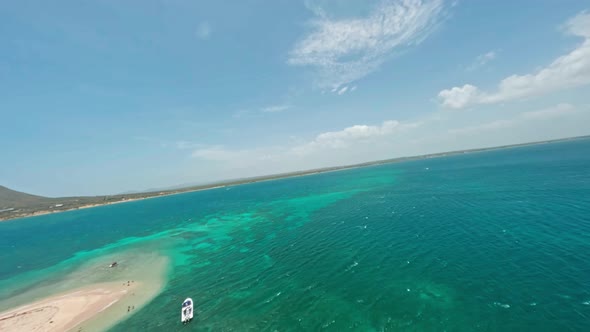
(15, 199)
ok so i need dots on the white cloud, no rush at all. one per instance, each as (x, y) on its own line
(344, 89)
(203, 31)
(341, 139)
(525, 118)
(244, 113)
(315, 7)
(350, 136)
(579, 25)
(549, 113)
(481, 60)
(345, 50)
(275, 108)
(459, 97)
(567, 71)
(392, 138)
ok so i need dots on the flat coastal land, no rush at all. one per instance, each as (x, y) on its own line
(14, 204)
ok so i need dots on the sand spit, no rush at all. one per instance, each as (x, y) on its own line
(92, 298)
(65, 311)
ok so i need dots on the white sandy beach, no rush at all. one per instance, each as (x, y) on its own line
(94, 306)
(63, 312)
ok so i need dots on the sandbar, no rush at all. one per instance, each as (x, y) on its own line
(92, 298)
(68, 310)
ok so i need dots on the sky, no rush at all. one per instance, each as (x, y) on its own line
(107, 96)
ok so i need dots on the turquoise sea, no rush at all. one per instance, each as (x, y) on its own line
(487, 241)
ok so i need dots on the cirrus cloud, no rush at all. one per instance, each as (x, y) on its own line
(345, 50)
(482, 59)
(275, 108)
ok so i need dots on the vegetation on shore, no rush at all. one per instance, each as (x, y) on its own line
(15, 204)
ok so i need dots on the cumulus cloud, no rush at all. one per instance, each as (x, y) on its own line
(567, 71)
(459, 97)
(437, 132)
(340, 139)
(345, 50)
(351, 135)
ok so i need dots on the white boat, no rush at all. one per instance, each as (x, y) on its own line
(186, 314)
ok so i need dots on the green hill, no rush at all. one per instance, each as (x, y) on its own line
(15, 199)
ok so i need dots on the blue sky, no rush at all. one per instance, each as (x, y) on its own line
(101, 97)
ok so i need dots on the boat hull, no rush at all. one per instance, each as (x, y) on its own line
(186, 313)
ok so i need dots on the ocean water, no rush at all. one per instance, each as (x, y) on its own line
(488, 241)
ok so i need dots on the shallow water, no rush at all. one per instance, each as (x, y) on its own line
(490, 241)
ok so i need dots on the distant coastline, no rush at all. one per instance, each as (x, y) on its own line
(43, 205)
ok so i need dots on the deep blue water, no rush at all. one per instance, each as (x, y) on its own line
(488, 241)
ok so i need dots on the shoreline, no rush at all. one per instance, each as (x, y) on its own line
(93, 205)
(224, 184)
(93, 297)
(69, 310)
